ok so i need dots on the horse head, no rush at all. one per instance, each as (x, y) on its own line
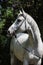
(20, 24)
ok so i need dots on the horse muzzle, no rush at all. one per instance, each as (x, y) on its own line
(11, 34)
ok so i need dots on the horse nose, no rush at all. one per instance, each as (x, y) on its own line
(8, 32)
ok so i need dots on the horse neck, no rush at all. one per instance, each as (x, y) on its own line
(35, 28)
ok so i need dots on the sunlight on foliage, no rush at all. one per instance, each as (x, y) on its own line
(9, 12)
(2, 23)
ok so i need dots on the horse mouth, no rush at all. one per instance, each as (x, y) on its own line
(11, 34)
(8, 34)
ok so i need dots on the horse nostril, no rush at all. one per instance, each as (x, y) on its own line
(8, 32)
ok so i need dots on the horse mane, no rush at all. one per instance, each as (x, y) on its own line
(34, 26)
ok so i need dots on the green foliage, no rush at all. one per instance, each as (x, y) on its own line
(2, 23)
(2, 40)
(9, 13)
(10, 1)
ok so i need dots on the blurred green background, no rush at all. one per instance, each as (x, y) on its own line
(8, 13)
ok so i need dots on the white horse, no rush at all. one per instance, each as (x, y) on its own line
(26, 43)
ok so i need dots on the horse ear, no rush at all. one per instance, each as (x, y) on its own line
(20, 12)
(24, 13)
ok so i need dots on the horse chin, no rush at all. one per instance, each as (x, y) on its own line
(9, 35)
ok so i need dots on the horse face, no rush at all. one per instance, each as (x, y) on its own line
(19, 23)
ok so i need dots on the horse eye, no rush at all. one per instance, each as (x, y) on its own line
(18, 20)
